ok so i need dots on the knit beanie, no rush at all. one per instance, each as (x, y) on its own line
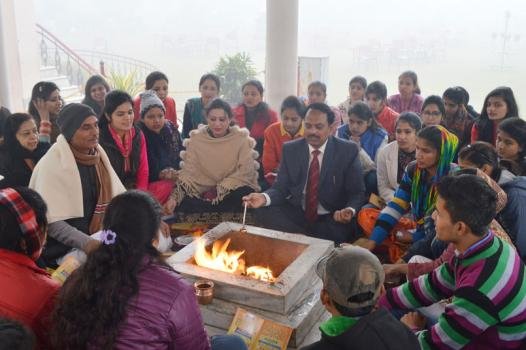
(71, 118)
(149, 99)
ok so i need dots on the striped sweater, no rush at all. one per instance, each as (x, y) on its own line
(488, 288)
(396, 208)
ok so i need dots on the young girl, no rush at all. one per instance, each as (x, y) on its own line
(363, 129)
(158, 82)
(500, 104)
(163, 143)
(44, 106)
(95, 93)
(408, 99)
(357, 86)
(318, 93)
(433, 111)
(393, 159)
(123, 142)
(209, 86)
(511, 145)
(435, 150)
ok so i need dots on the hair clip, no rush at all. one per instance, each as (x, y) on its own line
(108, 237)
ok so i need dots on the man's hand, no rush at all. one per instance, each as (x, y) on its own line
(92, 245)
(343, 216)
(414, 320)
(255, 200)
(365, 243)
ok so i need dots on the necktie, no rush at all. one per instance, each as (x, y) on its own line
(311, 196)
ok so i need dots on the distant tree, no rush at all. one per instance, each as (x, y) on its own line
(234, 71)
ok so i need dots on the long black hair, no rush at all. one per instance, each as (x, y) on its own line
(481, 153)
(484, 124)
(42, 89)
(94, 300)
(112, 101)
(92, 81)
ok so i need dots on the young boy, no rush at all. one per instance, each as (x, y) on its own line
(376, 96)
(352, 283)
(289, 128)
(485, 278)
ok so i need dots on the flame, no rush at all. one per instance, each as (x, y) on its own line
(228, 261)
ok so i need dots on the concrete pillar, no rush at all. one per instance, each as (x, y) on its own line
(281, 66)
(19, 53)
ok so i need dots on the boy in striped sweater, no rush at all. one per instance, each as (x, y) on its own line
(485, 278)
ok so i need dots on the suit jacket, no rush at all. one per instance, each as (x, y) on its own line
(341, 178)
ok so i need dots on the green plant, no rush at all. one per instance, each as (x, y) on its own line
(234, 71)
(126, 82)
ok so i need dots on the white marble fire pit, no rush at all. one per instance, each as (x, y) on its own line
(293, 299)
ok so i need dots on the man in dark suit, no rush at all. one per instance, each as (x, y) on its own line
(319, 187)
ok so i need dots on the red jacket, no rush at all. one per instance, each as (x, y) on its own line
(275, 137)
(169, 104)
(27, 293)
(263, 120)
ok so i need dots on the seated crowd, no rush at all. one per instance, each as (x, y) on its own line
(427, 186)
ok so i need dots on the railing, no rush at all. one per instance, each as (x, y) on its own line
(78, 65)
(121, 65)
(53, 52)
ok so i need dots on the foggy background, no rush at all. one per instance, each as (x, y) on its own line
(445, 42)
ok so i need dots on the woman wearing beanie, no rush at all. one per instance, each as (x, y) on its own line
(20, 150)
(95, 93)
(158, 83)
(218, 167)
(123, 142)
(163, 143)
(77, 181)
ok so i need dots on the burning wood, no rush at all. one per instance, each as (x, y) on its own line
(229, 261)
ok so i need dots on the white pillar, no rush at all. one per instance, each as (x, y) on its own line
(19, 55)
(281, 66)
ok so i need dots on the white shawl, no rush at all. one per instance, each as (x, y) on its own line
(56, 178)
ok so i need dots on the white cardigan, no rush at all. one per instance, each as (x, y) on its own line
(387, 170)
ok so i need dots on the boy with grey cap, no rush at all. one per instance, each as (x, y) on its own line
(352, 283)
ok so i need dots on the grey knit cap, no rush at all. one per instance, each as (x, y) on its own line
(352, 276)
(71, 118)
(149, 99)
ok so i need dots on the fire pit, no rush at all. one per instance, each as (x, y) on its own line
(291, 298)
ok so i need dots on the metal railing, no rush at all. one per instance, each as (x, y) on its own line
(78, 65)
(122, 65)
(53, 52)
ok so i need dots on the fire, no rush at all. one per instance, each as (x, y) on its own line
(229, 261)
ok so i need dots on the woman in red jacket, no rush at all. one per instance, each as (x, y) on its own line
(256, 116)
(253, 113)
(28, 292)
